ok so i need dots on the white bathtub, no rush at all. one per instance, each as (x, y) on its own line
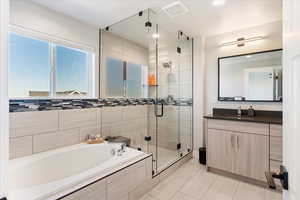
(54, 173)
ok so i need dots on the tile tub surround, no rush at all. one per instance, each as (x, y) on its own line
(33, 130)
(118, 174)
(131, 183)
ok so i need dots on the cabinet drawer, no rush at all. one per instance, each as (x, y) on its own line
(245, 127)
(276, 148)
(276, 130)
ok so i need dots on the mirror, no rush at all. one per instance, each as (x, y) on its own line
(251, 77)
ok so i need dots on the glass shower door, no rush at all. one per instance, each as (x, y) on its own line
(167, 92)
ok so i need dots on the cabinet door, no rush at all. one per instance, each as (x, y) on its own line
(252, 155)
(220, 150)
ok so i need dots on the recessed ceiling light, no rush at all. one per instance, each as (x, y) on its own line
(218, 2)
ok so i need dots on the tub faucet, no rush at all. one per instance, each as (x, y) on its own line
(122, 149)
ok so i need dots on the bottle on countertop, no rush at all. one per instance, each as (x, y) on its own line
(239, 111)
(251, 112)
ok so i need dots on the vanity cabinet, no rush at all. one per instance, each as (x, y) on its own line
(240, 148)
(222, 155)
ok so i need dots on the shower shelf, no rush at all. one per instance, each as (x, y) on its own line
(151, 85)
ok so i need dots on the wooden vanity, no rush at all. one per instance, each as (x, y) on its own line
(244, 147)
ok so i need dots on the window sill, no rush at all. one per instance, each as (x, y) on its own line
(49, 98)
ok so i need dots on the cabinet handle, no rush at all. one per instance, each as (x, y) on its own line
(237, 142)
(232, 141)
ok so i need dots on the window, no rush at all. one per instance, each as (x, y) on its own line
(29, 69)
(114, 78)
(72, 72)
(134, 80)
(46, 69)
(126, 79)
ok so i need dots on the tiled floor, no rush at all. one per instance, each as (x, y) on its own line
(192, 182)
(165, 156)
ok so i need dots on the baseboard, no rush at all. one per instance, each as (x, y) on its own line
(238, 177)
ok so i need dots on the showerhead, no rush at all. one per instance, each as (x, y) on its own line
(167, 64)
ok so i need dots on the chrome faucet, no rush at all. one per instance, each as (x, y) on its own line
(119, 151)
(122, 149)
(123, 145)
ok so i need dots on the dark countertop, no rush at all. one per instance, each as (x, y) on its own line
(259, 119)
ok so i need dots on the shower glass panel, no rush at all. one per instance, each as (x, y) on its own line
(158, 66)
(185, 92)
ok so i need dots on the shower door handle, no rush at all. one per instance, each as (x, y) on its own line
(162, 110)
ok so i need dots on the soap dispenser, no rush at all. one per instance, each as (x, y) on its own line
(251, 112)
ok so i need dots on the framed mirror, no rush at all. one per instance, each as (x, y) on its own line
(251, 77)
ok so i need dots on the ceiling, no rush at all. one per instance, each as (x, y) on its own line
(202, 19)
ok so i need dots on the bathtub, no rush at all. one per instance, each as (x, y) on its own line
(52, 174)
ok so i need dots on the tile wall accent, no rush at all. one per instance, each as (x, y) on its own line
(68, 122)
(34, 132)
(130, 122)
(65, 104)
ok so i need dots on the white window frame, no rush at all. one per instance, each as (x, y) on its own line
(4, 117)
(53, 42)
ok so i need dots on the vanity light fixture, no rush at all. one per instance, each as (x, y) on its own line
(240, 42)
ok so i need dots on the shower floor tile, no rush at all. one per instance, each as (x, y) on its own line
(165, 156)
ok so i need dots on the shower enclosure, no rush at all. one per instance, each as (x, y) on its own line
(163, 72)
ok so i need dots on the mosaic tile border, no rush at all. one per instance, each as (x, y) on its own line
(26, 105)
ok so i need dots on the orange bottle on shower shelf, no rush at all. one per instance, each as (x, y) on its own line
(151, 80)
